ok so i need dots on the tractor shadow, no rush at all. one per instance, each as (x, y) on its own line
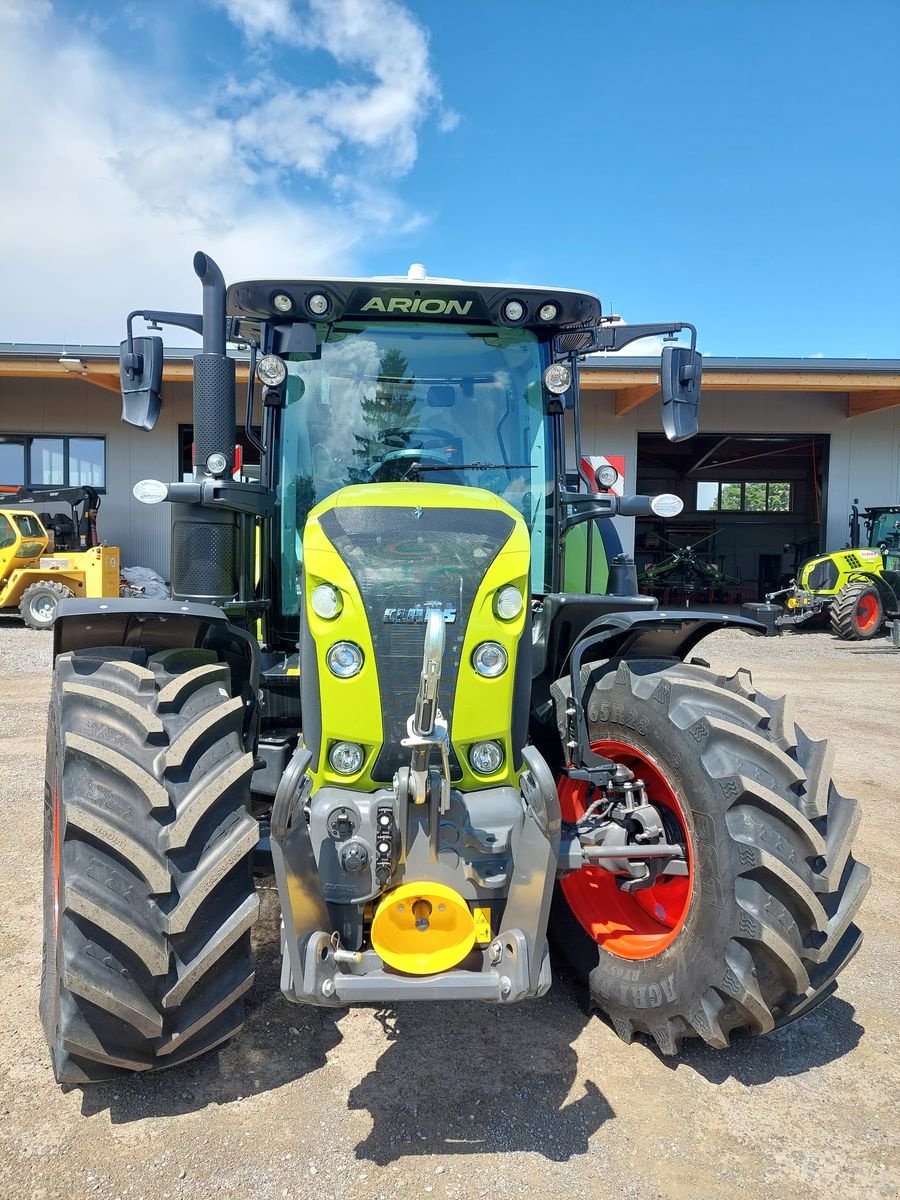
(473, 1079)
(822, 1036)
(279, 1043)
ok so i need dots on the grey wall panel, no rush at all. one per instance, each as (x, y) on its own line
(71, 406)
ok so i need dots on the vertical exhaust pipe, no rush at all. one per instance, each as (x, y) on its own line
(208, 542)
(215, 408)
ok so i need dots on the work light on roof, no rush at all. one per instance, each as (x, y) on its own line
(317, 304)
(283, 302)
(548, 312)
(557, 378)
(271, 370)
(513, 310)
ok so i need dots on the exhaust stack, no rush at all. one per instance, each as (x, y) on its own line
(215, 408)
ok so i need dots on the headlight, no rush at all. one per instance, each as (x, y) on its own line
(216, 463)
(325, 601)
(346, 757)
(509, 603)
(344, 659)
(606, 475)
(486, 758)
(490, 659)
(557, 378)
(271, 370)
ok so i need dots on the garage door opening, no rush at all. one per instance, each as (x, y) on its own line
(753, 510)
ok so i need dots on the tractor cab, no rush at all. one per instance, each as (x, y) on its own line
(883, 529)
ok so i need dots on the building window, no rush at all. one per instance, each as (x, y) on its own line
(746, 496)
(40, 461)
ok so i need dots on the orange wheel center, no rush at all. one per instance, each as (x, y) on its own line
(866, 612)
(642, 924)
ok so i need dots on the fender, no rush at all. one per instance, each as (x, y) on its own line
(887, 595)
(164, 625)
(628, 635)
(654, 634)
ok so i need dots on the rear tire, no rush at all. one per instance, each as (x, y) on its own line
(775, 888)
(148, 890)
(856, 612)
(40, 601)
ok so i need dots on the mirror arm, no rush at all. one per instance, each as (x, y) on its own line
(134, 362)
(615, 337)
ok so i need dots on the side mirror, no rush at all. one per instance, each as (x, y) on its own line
(680, 374)
(140, 374)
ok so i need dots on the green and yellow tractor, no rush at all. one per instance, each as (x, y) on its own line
(377, 666)
(857, 588)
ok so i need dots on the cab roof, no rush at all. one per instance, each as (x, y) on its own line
(415, 295)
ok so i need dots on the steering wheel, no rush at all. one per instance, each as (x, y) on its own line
(409, 454)
(397, 436)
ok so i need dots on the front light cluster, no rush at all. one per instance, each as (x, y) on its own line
(326, 601)
(345, 659)
(490, 659)
(346, 758)
(508, 603)
(486, 758)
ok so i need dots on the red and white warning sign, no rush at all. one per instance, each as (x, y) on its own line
(591, 462)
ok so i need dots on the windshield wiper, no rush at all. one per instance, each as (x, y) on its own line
(418, 465)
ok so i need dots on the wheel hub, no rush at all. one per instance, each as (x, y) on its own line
(628, 917)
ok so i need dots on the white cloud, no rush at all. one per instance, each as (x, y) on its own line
(109, 183)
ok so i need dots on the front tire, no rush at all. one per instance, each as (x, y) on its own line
(148, 889)
(856, 612)
(768, 922)
(40, 601)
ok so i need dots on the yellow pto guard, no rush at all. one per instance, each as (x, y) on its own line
(423, 928)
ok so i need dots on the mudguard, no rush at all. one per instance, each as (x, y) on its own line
(153, 625)
(632, 635)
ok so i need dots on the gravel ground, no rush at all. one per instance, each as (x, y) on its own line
(468, 1100)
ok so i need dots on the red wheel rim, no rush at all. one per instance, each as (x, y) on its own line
(634, 926)
(866, 612)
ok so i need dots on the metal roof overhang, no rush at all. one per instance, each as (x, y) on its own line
(98, 365)
(868, 384)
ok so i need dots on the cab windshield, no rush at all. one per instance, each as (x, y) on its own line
(415, 402)
(886, 530)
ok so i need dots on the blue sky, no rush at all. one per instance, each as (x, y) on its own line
(732, 164)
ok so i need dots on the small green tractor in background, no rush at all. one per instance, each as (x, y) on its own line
(858, 588)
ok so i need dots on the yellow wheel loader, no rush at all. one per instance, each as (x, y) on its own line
(38, 571)
(455, 750)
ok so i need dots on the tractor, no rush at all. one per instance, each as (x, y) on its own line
(378, 667)
(46, 558)
(857, 588)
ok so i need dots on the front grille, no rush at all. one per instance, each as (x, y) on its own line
(404, 558)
